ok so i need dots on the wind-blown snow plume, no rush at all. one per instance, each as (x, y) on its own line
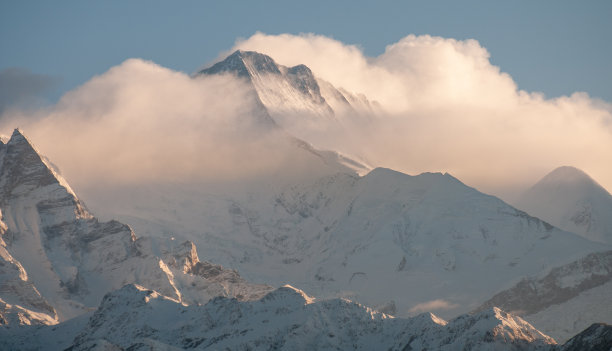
(140, 122)
(444, 106)
(449, 109)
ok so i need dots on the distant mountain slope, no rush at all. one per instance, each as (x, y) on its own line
(569, 199)
(598, 337)
(370, 238)
(566, 300)
(136, 318)
(59, 260)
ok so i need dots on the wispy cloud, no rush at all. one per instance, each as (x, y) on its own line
(140, 122)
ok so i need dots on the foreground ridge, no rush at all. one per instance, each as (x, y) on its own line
(287, 318)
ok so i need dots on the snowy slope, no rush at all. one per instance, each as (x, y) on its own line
(58, 258)
(20, 301)
(569, 199)
(566, 300)
(371, 238)
(597, 337)
(287, 318)
(563, 320)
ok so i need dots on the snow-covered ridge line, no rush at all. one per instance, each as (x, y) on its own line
(287, 318)
(565, 300)
(59, 260)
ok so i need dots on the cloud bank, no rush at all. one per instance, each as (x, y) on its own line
(449, 109)
(445, 108)
(142, 123)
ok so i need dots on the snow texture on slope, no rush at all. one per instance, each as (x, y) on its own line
(598, 337)
(289, 319)
(566, 300)
(368, 238)
(60, 259)
(570, 199)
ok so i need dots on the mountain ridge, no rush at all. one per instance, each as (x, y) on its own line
(78, 258)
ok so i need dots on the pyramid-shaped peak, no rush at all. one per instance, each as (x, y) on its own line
(244, 64)
(20, 144)
(567, 174)
(569, 178)
(18, 136)
(24, 169)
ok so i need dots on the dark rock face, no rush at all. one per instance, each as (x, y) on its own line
(303, 80)
(236, 63)
(597, 337)
(22, 168)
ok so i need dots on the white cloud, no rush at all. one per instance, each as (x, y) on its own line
(446, 109)
(140, 123)
(449, 109)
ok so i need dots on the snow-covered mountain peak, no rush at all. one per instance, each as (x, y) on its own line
(24, 170)
(245, 64)
(57, 259)
(281, 89)
(570, 199)
(17, 136)
(294, 97)
(503, 326)
(567, 175)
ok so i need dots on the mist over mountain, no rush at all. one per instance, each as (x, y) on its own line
(440, 105)
(213, 191)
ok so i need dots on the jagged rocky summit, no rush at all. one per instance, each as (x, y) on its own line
(58, 260)
(294, 97)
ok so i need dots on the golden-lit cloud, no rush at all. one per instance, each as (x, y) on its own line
(140, 122)
(449, 109)
(444, 107)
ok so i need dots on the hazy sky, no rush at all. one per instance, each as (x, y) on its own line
(556, 47)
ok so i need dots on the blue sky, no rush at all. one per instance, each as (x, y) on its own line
(556, 47)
